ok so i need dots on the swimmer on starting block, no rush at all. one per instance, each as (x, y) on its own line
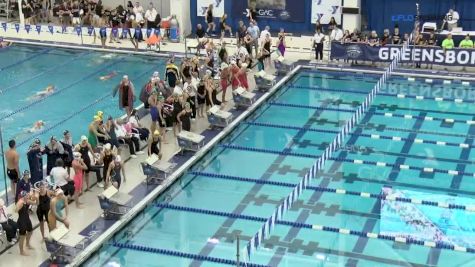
(42, 94)
(108, 76)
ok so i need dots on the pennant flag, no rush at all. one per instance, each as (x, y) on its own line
(50, 28)
(90, 30)
(115, 31)
(78, 30)
(149, 32)
(125, 32)
(63, 29)
(249, 249)
(38, 28)
(27, 28)
(4, 26)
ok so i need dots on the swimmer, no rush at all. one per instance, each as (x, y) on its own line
(42, 94)
(4, 44)
(108, 76)
(37, 126)
(110, 55)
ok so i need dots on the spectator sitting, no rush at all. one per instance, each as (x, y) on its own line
(355, 36)
(336, 34)
(432, 40)
(386, 39)
(448, 43)
(396, 38)
(124, 133)
(60, 177)
(9, 225)
(346, 37)
(134, 121)
(373, 39)
(466, 43)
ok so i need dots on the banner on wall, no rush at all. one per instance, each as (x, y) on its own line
(324, 10)
(202, 6)
(284, 10)
(422, 54)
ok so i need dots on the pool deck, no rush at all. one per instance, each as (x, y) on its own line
(87, 221)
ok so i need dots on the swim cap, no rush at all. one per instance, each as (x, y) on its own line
(118, 158)
(160, 98)
(107, 146)
(26, 172)
(224, 65)
(100, 113)
(65, 132)
(155, 74)
(53, 138)
(125, 77)
(77, 155)
(156, 133)
(23, 193)
(187, 106)
(37, 141)
(97, 118)
(59, 191)
(83, 138)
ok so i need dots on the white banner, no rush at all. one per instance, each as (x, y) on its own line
(323, 10)
(202, 6)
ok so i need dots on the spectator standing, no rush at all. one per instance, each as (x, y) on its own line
(54, 150)
(254, 32)
(241, 32)
(318, 40)
(210, 19)
(225, 27)
(336, 34)
(139, 13)
(35, 161)
(150, 16)
(263, 35)
(332, 24)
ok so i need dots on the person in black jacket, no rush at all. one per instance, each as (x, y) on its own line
(35, 161)
(53, 150)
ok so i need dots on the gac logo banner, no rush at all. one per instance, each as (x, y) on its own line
(402, 18)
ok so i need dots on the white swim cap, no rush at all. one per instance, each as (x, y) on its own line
(108, 146)
(118, 159)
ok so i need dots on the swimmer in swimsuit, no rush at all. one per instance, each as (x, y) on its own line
(37, 126)
(4, 44)
(108, 76)
(42, 94)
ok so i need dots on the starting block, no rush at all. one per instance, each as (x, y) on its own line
(218, 117)
(243, 98)
(190, 141)
(264, 81)
(283, 66)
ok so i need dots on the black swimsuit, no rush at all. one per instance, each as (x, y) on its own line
(209, 17)
(43, 207)
(155, 150)
(24, 222)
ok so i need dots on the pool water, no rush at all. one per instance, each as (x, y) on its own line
(204, 211)
(79, 92)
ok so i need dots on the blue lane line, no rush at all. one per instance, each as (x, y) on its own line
(310, 107)
(59, 91)
(320, 189)
(438, 244)
(341, 159)
(272, 125)
(41, 73)
(180, 254)
(44, 51)
(311, 88)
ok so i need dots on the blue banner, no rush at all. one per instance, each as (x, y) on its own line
(283, 10)
(27, 28)
(50, 28)
(78, 30)
(125, 32)
(415, 54)
(38, 29)
(90, 30)
(4, 26)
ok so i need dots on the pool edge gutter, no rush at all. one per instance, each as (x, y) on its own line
(117, 226)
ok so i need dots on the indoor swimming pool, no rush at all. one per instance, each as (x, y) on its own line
(79, 91)
(413, 143)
